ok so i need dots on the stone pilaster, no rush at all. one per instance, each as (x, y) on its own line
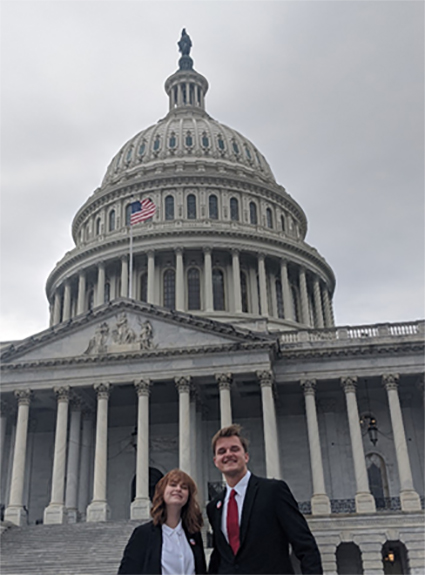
(320, 504)
(288, 307)
(365, 502)
(72, 471)
(269, 423)
(81, 300)
(151, 277)
(124, 276)
(305, 316)
(55, 512)
(179, 280)
(140, 507)
(183, 385)
(236, 281)
(85, 462)
(263, 284)
(327, 307)
(224, 381)
(318, 303)
(98, 510)
(57, 308)
(209, 302)
(409, 498)
(66, 301)
(15, 512)
(100, 291)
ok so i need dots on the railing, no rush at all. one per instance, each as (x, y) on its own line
(361, 332)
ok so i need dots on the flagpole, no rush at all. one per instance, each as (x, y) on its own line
(130, 283)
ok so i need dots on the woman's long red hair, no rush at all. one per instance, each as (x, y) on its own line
(191, 514)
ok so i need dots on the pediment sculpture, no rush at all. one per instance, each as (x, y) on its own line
(122, 337)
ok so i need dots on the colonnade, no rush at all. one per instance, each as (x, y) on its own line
(268, 281)
(71, 462)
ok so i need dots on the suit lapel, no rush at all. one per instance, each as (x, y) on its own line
(250, 495)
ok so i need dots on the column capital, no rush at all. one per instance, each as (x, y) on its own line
(349, 384)
(62, 392)
(103, 390)
(207, 250)
(308, 386)
(183, 383)
(224, 380)
(143, 386)
(101, 263)
(82, 273)
(178, 250)
(23, 396)
(284, 262)
(235, 251)
(261, 256)
(150, 253)
(265, 378)
(390, 381)
(124, 258)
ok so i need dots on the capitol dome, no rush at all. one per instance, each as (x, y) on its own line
(226, 241)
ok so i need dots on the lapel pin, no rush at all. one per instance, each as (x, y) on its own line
(192, 541)
(219, 504)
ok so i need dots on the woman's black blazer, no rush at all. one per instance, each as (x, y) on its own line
(142, 554)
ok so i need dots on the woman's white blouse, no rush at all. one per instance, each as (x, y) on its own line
(177, 556)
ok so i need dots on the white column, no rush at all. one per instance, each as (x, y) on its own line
(305, 317)
(98, 510)
(100, 292)
(55, 512)
(124, 276)
(365, 502)
(409, 498)
(320, 504)
(140, 507)
(15, 512)
(288, 308)
(269, 423)
(183, 386)
(263, 284)
(151, 277)
(224, 381)
(85, 463)
(318, 303)
(179, 280)
(71, 491)
(81, 301)
(209, 304)
(67, 301)
(57, 308)
(327, 308)
(236, 281)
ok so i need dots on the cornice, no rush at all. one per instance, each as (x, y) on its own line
(346, 350)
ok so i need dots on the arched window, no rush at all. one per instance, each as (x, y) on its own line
(194, 288)
(283, 223)
(170, 289)
(127, 214)
(191, 207)
(218, 289)
(172, 142)
(269, 218)
(213, 207)
(244, 292)
(111, 225)
(377, 475)
(234, 209)
(279, 298)
(144, 287)
(157, 143)
(107, 294)
(169, 208)
(253, 213)
(348, 559)
(98, 226)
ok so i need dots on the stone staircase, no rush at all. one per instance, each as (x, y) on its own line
(74, 549)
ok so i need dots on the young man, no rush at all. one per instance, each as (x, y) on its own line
(255, 519)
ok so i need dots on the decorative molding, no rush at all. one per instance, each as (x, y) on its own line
(308, 386)
(103, 390)
(349, 384)
(183, 383)
(143, 387)
(224, 380)
(23, 396)
(265, 378)
(62, 393)
(390, 381)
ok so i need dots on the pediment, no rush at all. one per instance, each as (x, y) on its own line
(126, 326)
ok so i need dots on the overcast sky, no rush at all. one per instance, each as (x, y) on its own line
(330, 92)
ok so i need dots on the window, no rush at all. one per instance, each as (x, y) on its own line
(194, 289)
(170, 289)
(98, 226)
(172, 142)
(244, 292)
(279, 298)
(127, 214)
(111, 222)
(144, 287)
(129, 154)
(157, 144)
(191, 207)
(189, 140)
(235, 147)
(218, 289)
(253, 213)
(169, 208)
(90, 299)
(213, 207)
(248, 153)
(107, 294)
(205, 141)
(269, 218)
(220, 143)
(295, 302)
(283, 223)
(142, 149)
(234, 209)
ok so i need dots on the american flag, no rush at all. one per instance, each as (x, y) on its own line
(141, 211)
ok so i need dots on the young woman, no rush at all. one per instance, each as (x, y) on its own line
(171, 543)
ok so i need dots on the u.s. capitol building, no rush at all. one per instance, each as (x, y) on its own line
(223, 314)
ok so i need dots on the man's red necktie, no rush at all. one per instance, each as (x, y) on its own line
(233, 522)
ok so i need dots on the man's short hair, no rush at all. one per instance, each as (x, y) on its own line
(231, 430)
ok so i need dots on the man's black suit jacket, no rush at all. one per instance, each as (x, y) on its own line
(270, 522)
(142, 554)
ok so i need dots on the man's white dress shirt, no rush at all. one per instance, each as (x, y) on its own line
(240, 489)
(177, 556)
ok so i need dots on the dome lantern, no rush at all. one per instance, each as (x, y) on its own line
(186, 88)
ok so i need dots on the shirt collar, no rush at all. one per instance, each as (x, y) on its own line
(166, 530)
(240, 486)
